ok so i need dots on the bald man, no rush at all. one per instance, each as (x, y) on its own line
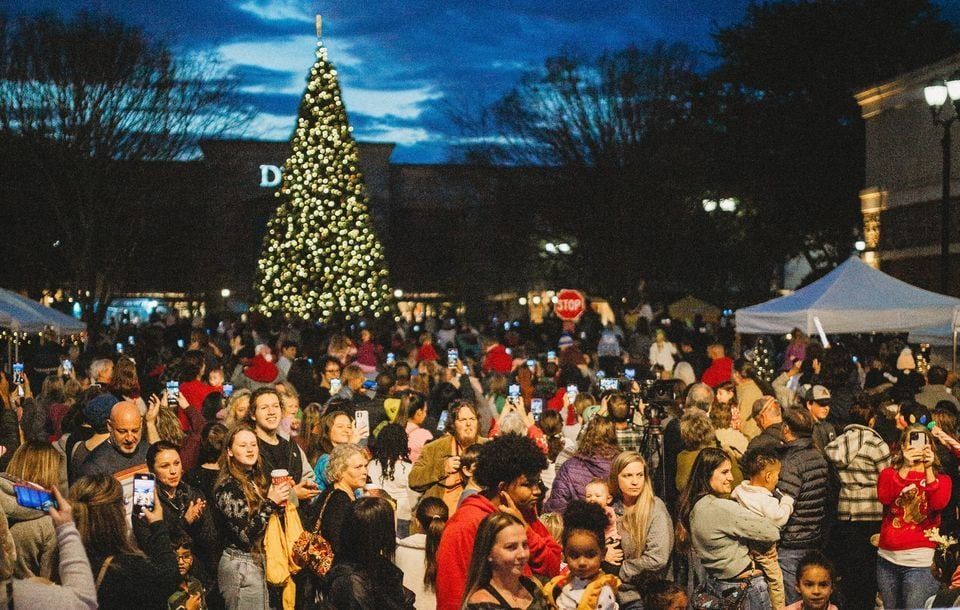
(125, 451)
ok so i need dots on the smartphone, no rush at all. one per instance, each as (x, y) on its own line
(514, 390)
(18, 373)
(551, 355)
(442, 422)
(335, 386)
(30, 495)
(119, 347)
(227, 390)
(361, 421)
(452, 357)
(573, 389)
(609, 384)
(536, 408)
(369, 384)
(630, 374)
(180, 343)
(144, 484)
(173, 394)
(601, 374)
(131, 340)
(855, 360)
(67, 366)
(532, 365)
(391, 358)
(918, 440)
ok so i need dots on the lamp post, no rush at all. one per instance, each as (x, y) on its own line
(936, 94)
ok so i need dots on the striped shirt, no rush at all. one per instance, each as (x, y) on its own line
(859, 455)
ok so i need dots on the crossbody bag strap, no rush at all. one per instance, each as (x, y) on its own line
(103, 571)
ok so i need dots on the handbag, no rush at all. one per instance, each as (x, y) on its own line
(731, 598)
(312, 550)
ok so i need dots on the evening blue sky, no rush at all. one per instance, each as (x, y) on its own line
(402, 63)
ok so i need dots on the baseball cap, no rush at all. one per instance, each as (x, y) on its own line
(760, 404)
(818, 393)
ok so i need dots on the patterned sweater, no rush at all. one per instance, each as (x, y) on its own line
(241, 530)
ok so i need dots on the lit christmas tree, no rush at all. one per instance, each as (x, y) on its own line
(763, 359)
(321, 259)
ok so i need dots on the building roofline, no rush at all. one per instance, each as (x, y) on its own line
(904, 87)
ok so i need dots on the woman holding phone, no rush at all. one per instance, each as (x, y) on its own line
(912, 491)
(245, 502)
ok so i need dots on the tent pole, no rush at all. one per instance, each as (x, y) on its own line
(955, 350)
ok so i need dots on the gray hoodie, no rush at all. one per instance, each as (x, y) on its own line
(719, 530)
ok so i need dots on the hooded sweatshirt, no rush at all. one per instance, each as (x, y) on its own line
(456, 548)
(411, 559)
(33, 534)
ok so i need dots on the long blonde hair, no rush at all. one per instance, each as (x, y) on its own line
(636, 518)
(38, 462)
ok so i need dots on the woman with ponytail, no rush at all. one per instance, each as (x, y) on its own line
(417, 554)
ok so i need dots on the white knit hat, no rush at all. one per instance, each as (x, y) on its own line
(905, 360)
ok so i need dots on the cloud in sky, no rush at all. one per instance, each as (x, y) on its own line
(401, 62)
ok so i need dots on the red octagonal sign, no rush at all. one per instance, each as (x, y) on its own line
(570, 304)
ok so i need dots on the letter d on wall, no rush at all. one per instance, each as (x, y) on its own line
(269, 176)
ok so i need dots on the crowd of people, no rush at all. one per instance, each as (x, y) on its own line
(258, 464)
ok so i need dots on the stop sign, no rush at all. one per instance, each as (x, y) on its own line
(570, 304)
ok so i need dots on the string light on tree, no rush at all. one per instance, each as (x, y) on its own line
(763, 359)
(321, 259)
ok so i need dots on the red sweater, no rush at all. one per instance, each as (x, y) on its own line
(719, 371)
(456, 547)
(906, 517)
(195, 392)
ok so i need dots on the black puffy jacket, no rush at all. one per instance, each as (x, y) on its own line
(804, 477)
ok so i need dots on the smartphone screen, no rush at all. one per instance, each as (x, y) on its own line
(608, 384)
(452, 356)
(18, 373)
(918, 439)
(361, 421)
(551, 355)
(67, 366)
(29, 496)
(514, 390)
(391, 358)
(572, 389)
(119, 348)
(227, 390)
(143, 486)
(630, 373)
(536, 408)
(180, 343)
(173, 393)
(334, 386)
(532, 365)
(131, 339)
(442, 423)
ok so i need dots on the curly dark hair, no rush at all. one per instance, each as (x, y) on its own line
(390, 447)
(506, 458)
(583, 516)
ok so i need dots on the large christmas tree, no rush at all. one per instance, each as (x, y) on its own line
(321, 259)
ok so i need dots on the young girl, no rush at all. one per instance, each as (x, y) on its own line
(815, 578)
(585, 586)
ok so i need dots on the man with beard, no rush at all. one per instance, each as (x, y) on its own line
(437, 471)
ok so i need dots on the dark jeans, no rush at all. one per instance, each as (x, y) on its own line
(856, 560)
(789, 560)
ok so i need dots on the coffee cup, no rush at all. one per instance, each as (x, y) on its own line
(280, 476)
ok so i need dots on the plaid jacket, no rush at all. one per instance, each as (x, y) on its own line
(630, 438)
(859, 455)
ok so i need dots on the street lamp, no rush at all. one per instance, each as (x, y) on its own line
(936, 95)
(225, 293)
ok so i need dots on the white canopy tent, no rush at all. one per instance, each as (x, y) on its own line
(23, 315)
(853, 298)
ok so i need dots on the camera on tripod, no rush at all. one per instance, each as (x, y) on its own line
(657, 395)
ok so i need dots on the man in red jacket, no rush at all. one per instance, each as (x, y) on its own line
(508, 468)
(720, 369)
